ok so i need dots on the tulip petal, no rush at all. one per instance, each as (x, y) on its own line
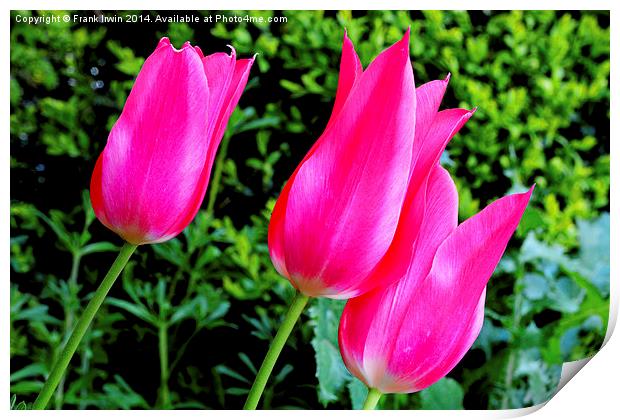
(219, 68)
(438, 331)
(428, 97)
(367, 319)
(231, 76)
(275, 235)
(230, 99)
(229, 88)
(457, 350)
(350, 71)
(146, 155)
(96, 194)
(344, 204)
(444, 126)
(427, 151)
(409, 335)
(466, 259)
(440, 219)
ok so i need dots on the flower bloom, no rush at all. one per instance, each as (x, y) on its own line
(404, 337)
(345, 215)
(152, 175)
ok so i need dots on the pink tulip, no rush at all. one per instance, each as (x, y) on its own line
(405, 337)
(345, 215)
(150, 179)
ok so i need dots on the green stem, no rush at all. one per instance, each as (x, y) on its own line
(516, 320)
(294, 311)
(182, 349)
(372, 399)
(84, 367)
(82, 325)
(214, 185)
(163, 365)
(73, 302)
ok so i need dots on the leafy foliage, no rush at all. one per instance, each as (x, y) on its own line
(189, 323)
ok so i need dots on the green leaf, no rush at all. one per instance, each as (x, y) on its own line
(18, 405)
(533, 249)
(535, 286)
(134, 309)
(128, 63)
(35, 369)
(120, 395)
(357, 392)
(224, 370)
(594, 259)
(489, 336)
(330, 370)
(446, 394)
(59, 229)
(99, 247)
(26, 387)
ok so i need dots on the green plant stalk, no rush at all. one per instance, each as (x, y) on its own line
(84, 367)
(163, 365)
(182, 349)
(214, 185)
(516, 319)
(294, 311)
(82, 325)
(69, 319)
(372, 399)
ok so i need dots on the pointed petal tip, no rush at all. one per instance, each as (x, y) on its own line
(407, 35)
(523, 199)
(233, 52)
(346, 40)
(248, 62)
(530, 191)
(199, 51)
(186, 46)
(447, 79)
(165, 43)
(402, 46)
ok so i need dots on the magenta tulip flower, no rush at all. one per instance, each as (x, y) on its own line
(404, 337)
(345, 215)
(150, 179)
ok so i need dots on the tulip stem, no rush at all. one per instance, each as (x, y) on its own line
(163, 366)
(82, 325)
(217, 174)
(294, 311)
(373, 397)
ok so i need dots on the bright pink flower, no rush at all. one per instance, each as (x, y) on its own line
(150, 179)
(405, 337)
(340, 218)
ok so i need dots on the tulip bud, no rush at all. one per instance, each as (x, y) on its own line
(152, 175)
(333, 228)
(406, 336)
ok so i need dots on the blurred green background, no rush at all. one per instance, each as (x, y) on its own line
(191, 319)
